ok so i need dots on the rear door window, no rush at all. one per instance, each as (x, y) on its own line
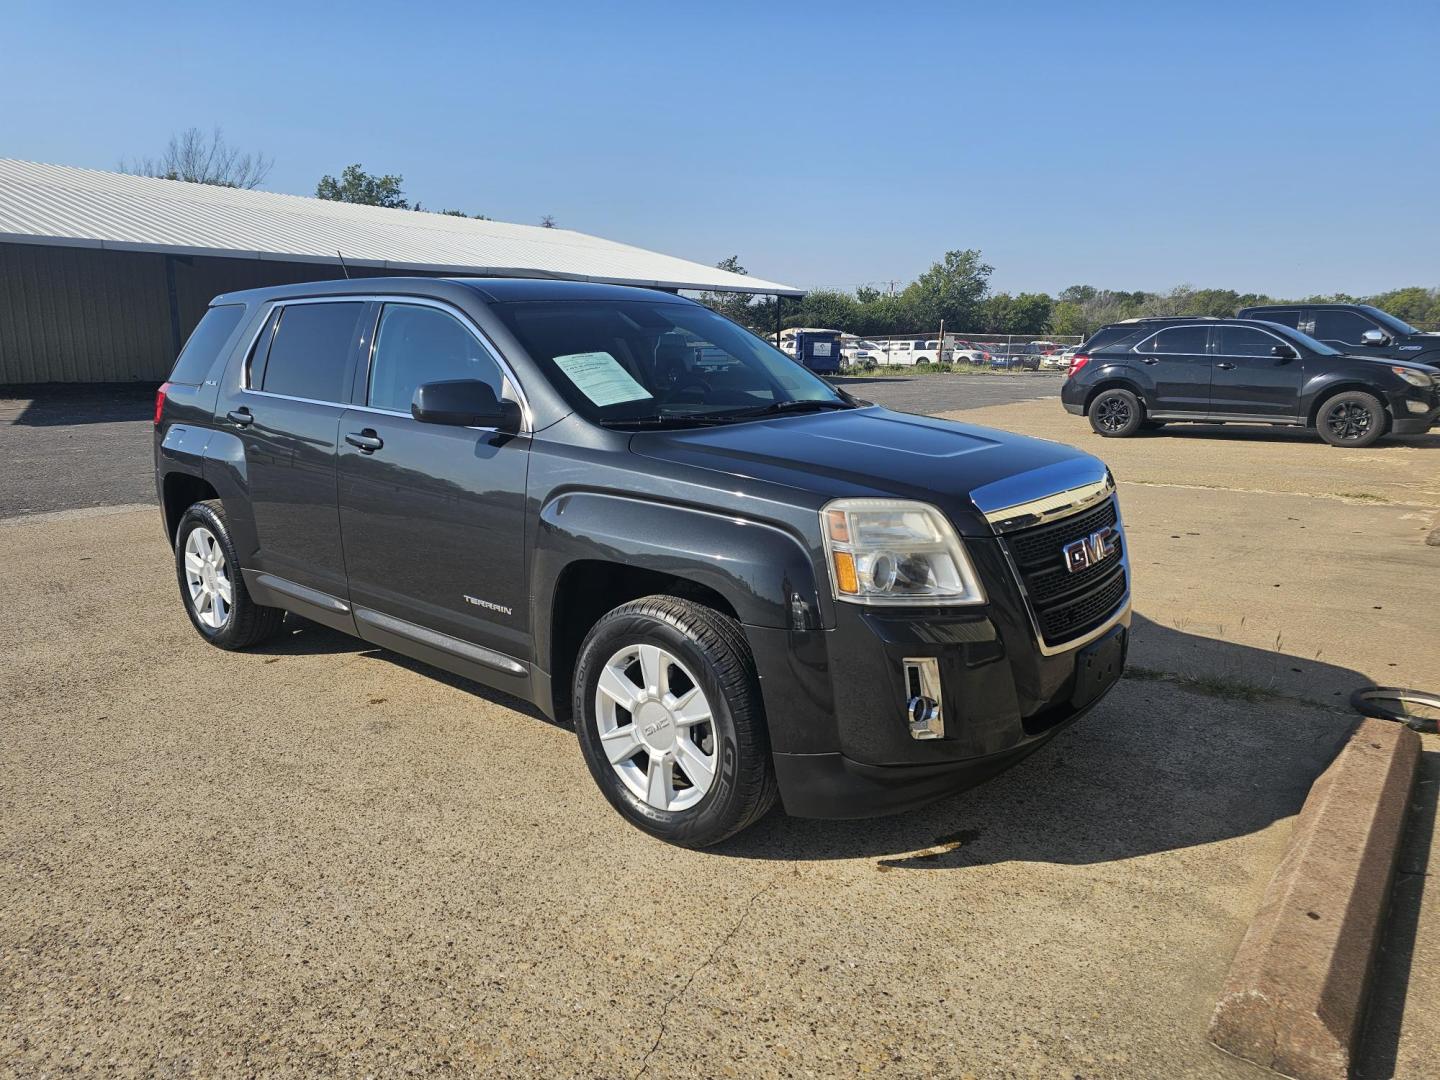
(1289, 317)
(1243, 341)
(1183, 340)
(1342, 326)
(310, 352)
(205, 343)
(417, 345)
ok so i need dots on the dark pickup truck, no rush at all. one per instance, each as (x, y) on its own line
(739, 583)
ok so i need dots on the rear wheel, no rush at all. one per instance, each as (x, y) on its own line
(1352, 418)
(1116, 413)
(668, 712)
(214, 593)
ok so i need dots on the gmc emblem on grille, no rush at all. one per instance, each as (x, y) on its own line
(1089, 550)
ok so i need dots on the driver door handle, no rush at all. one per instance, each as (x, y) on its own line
(1226, 367)
(240, 417)
(367, 442)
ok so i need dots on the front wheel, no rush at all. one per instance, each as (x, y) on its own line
(1353, 418)
(1116, 414)
(668, 712)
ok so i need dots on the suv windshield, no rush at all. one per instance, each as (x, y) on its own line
(644, 361)
(1301, 338)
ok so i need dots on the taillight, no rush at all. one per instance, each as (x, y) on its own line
(1077, 361)
(160, 402)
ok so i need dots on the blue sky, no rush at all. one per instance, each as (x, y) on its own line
(1286, 147)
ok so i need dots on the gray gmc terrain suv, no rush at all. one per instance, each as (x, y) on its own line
(739, 583)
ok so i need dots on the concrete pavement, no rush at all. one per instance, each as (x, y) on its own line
(323, 859)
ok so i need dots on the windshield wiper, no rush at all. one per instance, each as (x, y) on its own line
(657, 420)
(793, 406)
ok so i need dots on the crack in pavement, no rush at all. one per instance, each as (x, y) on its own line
(665, 1009)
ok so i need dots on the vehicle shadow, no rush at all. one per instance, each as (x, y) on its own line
(305, 638)
(1161, 764)
(1263, 433)
(1211, 746)
(63, 404)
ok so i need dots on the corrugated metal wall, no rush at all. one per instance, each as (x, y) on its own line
(70, 314)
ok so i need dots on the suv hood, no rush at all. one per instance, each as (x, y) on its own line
(1424, 366)
(876, 452)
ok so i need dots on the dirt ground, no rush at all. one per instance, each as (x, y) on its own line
(321, 859)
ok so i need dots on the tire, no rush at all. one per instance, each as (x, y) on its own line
(1352, 418)
(207, 567)
(1116, 414)
(700, 664)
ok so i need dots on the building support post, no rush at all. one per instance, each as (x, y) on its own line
(778, 301)
(174, 305)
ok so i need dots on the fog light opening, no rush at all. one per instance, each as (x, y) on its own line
(924, 709)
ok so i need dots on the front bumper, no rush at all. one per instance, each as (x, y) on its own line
(836, 702)
(1414, 413)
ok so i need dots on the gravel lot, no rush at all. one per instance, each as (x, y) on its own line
(321, 859)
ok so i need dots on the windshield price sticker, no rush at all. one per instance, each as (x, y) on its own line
(599, 376)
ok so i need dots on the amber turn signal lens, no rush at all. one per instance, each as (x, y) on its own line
(845, 579)
(838, 522)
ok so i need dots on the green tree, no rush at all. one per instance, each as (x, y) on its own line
(826, 308)
(1418, 306)
(734, 306)
(951, 289)
(1028, 313)
(357, 186)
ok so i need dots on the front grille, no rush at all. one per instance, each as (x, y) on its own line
(1068, 605)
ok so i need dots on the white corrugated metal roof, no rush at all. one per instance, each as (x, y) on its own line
(57, 204)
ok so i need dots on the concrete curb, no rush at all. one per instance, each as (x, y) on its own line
(1295, 994)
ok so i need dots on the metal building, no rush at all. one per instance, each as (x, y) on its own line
(103, 275)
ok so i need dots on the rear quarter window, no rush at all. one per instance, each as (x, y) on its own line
(310, 352)
(205, 344)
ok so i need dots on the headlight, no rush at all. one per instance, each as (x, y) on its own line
(894, 551)
(1414, 378)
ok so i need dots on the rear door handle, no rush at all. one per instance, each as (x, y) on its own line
(1226, 367)
(240, 417)
(367, 442)
(1149, 360)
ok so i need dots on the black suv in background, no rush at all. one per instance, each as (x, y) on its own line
(1354, 328)
(1147, 372)
(738, 582)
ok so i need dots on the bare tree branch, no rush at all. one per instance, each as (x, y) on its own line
(202, 159)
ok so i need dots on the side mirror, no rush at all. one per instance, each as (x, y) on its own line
(464, 403)
(1283, 352)
(1374, 337)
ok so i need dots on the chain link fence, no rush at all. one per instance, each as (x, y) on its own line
(1027, 352)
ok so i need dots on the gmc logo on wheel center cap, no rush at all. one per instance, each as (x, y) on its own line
(1089, 550)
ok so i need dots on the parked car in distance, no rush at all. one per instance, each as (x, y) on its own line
(1023, 357)
(862, 354)
(1059, 359)
(968, 352)
(1354, 328)
(739, 583)
(1140, 375)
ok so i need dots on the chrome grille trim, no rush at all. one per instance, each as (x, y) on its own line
(1048, 511)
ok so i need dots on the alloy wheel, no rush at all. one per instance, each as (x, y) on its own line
(207, 578)
(1349, 420)
(1113, 413)
(656, 728)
